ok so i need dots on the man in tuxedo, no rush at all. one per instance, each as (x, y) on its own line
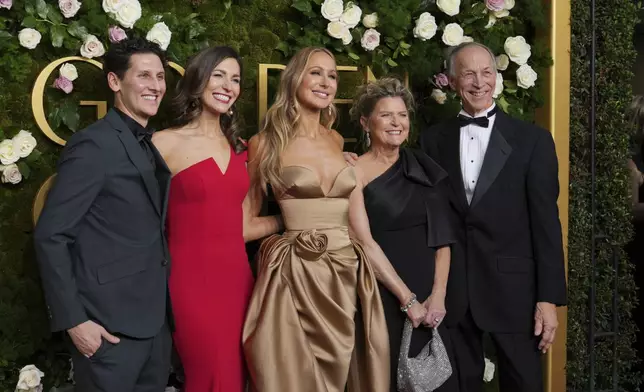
(507, 271)
(100, 238)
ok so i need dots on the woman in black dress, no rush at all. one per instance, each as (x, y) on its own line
(406, 211)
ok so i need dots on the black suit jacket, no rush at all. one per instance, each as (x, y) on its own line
(509, 253)
(100, 240)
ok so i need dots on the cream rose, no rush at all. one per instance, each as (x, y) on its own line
(29, 375)
(439, 96)
(488, 373)
(332, 10)
(29, 38)
(24, 143)
(112, 6)
(69, 71)
(160, 34)
(450, 7)
(425, 26)
(370, 39)
(346, 37)
(370, 21)
(453, 34)
(467, 38)
(517, 49)
(498, 87)
(336, 29)
(351, 15)
(92, 47)
(69, 8)
(128, 14)
(526, 76)
(491, 21)
(509, 4)
(8, 153)
(501, 14)
(11, 174)
(502, 62)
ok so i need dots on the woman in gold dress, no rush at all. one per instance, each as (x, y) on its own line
(315, 322)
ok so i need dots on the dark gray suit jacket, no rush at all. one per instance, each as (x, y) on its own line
(100, 240)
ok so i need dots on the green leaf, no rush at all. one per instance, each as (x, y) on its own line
(58, 34)
(391, 62)
(5, 34)
(30, 21)
(284, 48)
(30, 9)
(195, 30)
(293, 29)
(302, 5)
(41, 9)
(354, 56)
(24, 170)
(75, 29)
(69, 115)
(404, 45)
(33, 157)
(503, 103)
(54, 15)
(2, 136)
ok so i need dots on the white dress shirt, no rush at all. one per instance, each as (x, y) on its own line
(474, 142)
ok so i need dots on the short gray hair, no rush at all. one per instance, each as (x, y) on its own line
(451, 56)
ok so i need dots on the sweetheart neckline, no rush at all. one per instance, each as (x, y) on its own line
(317, 176)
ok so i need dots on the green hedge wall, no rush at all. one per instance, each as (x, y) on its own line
(616, 20)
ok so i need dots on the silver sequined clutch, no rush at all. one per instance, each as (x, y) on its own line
(428, 370)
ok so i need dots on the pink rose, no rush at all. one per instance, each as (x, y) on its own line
(116, 34)
(495, 5)
(441, 80)
(6, 4)
(62, 83)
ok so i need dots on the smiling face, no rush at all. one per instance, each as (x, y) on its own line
(388, 123)
(474, 78)
(223, 88)
(138, 94)
(319, 82)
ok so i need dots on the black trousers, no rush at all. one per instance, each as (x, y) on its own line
(519, 359)
(132, 365)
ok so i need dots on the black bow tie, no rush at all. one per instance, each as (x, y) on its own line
(483, 122)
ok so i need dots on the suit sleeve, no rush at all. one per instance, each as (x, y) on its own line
(543, 191)
(80, 178)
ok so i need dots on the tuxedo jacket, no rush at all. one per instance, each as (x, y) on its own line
(509, 252)
(100, 241)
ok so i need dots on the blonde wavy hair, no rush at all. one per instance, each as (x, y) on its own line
(283, 117)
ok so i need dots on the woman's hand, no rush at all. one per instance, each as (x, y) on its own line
(417, 313)
(435, 306)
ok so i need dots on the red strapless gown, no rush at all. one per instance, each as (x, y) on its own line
(210, 280)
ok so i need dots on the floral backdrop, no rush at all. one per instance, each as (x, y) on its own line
(408, 38)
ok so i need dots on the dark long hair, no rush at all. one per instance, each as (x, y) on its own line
(187, 101)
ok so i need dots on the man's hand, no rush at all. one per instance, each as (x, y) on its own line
(350, 157)
(545, 324)
(87, 337)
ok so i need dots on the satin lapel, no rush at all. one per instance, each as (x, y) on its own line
(138, 158)
(163, 176)
(498, 151)
(451, 151)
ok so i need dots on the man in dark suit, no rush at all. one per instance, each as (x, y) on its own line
(507, 271)
(100, 238)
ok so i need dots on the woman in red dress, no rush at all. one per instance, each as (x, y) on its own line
(208, 222)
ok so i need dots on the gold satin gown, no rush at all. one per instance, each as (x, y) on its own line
(302, 333)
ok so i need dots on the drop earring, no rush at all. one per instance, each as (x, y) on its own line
(367, 138)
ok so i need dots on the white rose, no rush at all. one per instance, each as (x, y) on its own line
(29, 38)
(69, 72)
(128, 14)
(498, 88)
(453, 34)
(92, 47)
(29, 375)
(370, 21)
(160, 34)
(526, 76)
(501, 14)
(425, 26)
(439, 96)
(488, 373)
(351, 15)
(509, 4)
(370, 39)
(8, 153)
(332, 10)
(69, 8)
(491, 21)
(517, 49)
(337, 29)
(502, 62)
(467, 38)
(24, 143)
(11, 174)
(112, 6)
(347, 37)
(450, 7)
